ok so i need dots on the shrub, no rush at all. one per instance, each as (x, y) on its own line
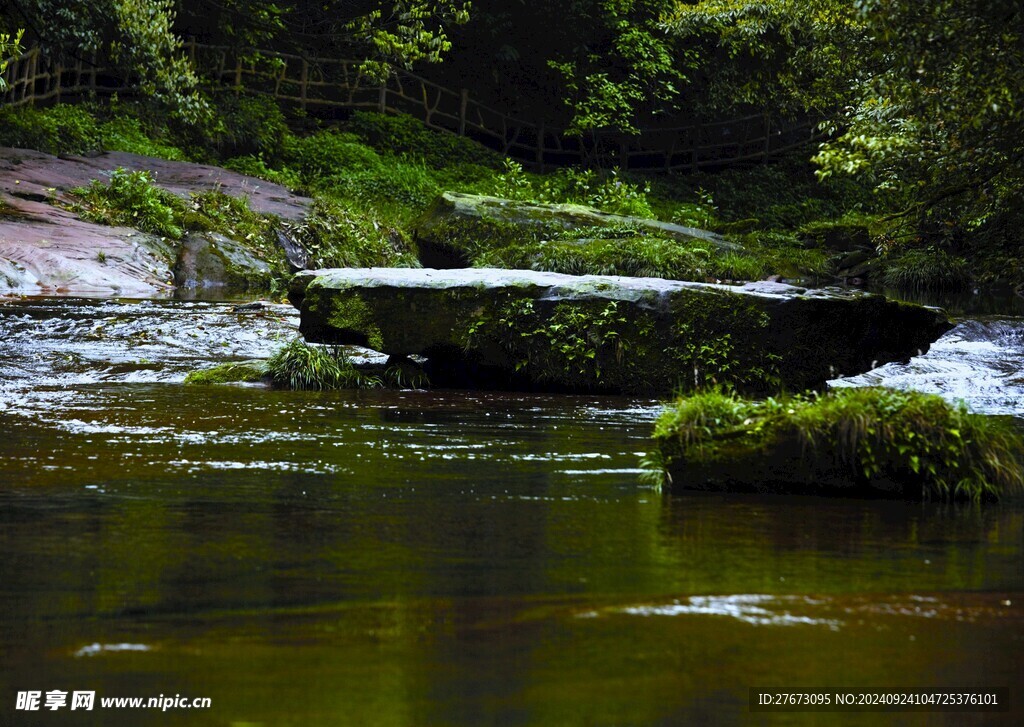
(339, 235)
(126, 134)
(930, 269)
(328, 153)
(404, 183)
(402, 134)
(133, 200)
(917, 443)
(60, 129)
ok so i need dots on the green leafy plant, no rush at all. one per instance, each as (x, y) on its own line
(132, 199)
(60, 129)
(338, 234)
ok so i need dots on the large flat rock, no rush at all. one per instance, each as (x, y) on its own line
(45, 248)
(458, 228)
(527, 329)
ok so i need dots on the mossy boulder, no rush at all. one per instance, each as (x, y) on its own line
(525, 329)
(236, 372)
(872, 442)
(209, 260)
(458, 229)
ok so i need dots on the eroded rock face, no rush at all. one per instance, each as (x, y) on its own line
(525, 329)
(457, 227)
(45, 248)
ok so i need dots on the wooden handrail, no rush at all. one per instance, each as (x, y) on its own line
(309, 81)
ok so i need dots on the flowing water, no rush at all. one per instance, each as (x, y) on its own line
(451, 558)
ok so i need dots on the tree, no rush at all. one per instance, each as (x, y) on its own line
(134, 36)
(10, 48)
(625, 65)
(387, 35)
(786, 57)
(939, 127)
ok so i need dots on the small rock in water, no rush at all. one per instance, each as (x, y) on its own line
(248, 307)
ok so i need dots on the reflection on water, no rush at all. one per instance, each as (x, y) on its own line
(399, 558)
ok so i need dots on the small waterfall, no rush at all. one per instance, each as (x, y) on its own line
(980, 362)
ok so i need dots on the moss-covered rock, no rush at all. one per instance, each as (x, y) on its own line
(526, 329)
(852, 443)
(458, 229)
(230, 373)
(211, 260)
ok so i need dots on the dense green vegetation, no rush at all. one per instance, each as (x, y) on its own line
(374, 175)
(927, 128)
(906, 444)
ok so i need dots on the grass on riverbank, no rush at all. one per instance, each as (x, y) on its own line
(850, 441)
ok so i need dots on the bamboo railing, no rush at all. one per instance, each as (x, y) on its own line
(310, 82)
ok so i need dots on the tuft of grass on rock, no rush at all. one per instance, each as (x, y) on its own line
(299, 365)
(856, 442)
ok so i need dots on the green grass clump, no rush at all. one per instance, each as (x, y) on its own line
(930, 269)
(229, 373)
(298, 365)
(898, 441)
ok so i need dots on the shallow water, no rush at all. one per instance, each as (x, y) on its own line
(980, 362)
(450, 558)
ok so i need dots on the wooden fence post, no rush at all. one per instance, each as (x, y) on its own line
(463, 107)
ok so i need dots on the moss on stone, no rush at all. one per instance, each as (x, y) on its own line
(229, 373)
(853, 442)
(352, 313)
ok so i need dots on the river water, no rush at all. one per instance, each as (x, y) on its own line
(450, 558)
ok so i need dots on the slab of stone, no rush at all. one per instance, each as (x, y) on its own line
(456, 226)
(47, 249)
(526, 329)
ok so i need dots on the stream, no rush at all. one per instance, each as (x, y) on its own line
(452, 557)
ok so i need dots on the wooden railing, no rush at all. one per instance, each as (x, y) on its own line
(310, 82)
